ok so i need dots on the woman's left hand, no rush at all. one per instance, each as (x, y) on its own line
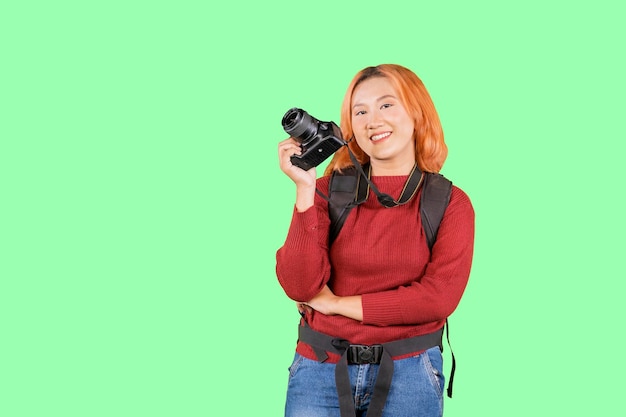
(325, 302)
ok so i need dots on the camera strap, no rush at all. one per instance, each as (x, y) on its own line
(413, 183)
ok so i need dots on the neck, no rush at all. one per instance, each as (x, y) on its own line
(382, 168)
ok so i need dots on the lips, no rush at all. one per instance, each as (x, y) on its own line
(380, 136)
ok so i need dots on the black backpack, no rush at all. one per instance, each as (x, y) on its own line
(349, 188)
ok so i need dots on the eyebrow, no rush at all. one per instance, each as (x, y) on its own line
(378, 99)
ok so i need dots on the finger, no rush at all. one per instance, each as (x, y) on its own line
(301, 309)
(288, 141)
(285, 152)
(289, 149)
(289, 144)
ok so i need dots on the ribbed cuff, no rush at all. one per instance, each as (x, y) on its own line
(381, 309)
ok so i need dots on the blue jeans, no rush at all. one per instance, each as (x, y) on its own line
(416, 388)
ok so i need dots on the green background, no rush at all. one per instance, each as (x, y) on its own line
(142, 204)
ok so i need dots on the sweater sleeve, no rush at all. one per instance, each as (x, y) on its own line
(435, 295)
(302, 263)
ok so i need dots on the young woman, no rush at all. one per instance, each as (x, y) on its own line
(378, 286)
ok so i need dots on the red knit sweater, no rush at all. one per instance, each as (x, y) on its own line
(381, 253)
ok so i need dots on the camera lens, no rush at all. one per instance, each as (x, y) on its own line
(299, 124)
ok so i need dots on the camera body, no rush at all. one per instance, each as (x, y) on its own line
(318, 139)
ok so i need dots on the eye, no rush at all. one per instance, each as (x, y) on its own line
(386, 105)
(359, 112)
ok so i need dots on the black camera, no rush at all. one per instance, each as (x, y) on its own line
(319, 140)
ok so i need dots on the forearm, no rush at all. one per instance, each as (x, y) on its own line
(411, 305)
(351, 307)
(302, 272)
(330, 304)
(305, 198)
(302, 264)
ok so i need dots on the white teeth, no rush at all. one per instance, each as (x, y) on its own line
(380, 136)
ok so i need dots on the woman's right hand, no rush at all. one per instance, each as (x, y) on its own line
(286, 149)
(304, 180)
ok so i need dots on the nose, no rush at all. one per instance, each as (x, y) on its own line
(374, 121)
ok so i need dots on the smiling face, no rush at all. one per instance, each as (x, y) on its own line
(382, 127)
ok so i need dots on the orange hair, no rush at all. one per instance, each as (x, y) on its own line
(430, 148)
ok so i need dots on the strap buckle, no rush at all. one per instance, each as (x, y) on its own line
(364, 354)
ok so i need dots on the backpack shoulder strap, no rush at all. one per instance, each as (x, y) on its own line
(435, 197)
(345, 191)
